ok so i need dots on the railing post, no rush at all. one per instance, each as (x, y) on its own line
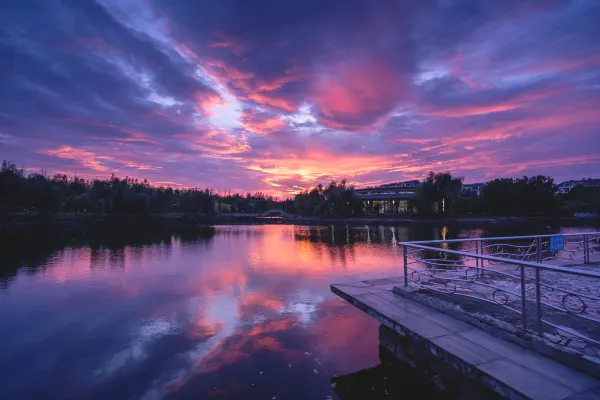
(405, 266)
(523, 299)
(479, 271)
(538, 301)
(540, 256)
(586, 249)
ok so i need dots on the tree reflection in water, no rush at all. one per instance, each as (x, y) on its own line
(28, 250)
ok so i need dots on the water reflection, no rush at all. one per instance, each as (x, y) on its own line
(383, 234)
(230, 312)
(32, 251)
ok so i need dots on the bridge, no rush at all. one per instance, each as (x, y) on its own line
(517, 317)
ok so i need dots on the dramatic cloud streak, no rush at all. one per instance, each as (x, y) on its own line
(275, 96)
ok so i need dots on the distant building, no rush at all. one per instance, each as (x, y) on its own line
(474, 188)
(406, 184)
(390, 198)
(566, 187)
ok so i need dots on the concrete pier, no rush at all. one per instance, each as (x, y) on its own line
(459, 358)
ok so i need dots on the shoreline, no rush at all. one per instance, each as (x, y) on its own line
(187, 221)
(567, 221)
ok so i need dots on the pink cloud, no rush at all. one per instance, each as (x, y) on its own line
(207, 101)
(355, 94)
(261, 123)
(273, 101)
(84, 157)
(471, 110)
(96, 161)
(215, 142)
(227, 42)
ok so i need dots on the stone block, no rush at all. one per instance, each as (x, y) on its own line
(465, 350)
(525, 381)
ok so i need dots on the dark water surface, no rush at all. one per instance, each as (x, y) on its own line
(234, 312)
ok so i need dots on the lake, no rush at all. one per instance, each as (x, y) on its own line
(227, 312)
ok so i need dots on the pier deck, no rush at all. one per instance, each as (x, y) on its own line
(500, 366)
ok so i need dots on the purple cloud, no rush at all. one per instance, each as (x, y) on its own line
(276, 96)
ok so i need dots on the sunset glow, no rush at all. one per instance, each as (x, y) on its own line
(276, 96)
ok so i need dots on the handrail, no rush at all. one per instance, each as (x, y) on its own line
(548, 267)
(480, 239)
(570, 299)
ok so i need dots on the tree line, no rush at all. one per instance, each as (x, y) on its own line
(524, 196)
(443, 195)
(37, 193)
(439, 194)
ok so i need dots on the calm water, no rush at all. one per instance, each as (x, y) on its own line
(237, 312)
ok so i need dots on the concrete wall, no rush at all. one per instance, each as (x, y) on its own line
(446, 377)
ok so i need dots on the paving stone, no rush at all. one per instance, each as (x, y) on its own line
(357, 284)
(398, 279)
(424, 328)
(575, 380)
(593, 359)
(390, 296)
(384, 307)
(410, 305)
(354, 291)
(385, 287)
(351, 290)
(588, 395)
(397, 309)
(373, 301)
(420, 309)
(448, 322)
(526, 381)
(466, 350)
(374, 282)
(494, 344)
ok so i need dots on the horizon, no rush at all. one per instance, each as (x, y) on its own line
(276, 98)
(225, 192)
(50, 175)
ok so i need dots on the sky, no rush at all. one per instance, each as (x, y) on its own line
(276, 96)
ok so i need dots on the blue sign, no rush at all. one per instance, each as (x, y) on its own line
(557, 243)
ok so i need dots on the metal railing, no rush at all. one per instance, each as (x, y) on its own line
(578, 247)
(514, 273)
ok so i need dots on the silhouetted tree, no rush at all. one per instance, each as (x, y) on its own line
(115, 195)
(521, 196)
(336, 200)
(581, 199)
(11, 186)
(439, 189)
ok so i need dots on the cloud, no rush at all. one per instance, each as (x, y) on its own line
(96, 162)
(261, 123)
(7, 139)
(276, 96)
(85, 158)
(352, 96)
